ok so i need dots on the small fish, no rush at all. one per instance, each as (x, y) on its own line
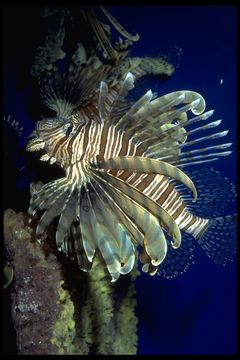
(124, 184)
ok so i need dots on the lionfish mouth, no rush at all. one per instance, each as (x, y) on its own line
(35, 144)
(39, 144)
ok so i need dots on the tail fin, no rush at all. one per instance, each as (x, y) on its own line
(215, 193)
(219, 240)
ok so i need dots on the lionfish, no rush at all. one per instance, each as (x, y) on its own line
(123, 187)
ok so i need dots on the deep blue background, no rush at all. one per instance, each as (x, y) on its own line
(195, 313)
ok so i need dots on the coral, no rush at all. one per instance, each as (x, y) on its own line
(126, 339)
(102, 305)
(84, 330)
(56, 308)
(108, 314)
(64, 328)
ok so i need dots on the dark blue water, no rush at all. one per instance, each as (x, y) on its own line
(195, 313)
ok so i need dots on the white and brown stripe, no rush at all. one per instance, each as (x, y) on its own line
(93, 138)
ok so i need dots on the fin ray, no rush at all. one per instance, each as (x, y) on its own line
(219, 240)
(154, 239)
(178, 261)
(147, 203)
(147, 165)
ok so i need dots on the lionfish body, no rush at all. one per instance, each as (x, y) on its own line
(124, 186)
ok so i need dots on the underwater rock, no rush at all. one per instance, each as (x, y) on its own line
(54, 315)
(35, 307)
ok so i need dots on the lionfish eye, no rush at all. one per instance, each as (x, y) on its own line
(68, 128)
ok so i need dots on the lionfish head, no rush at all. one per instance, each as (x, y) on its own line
(49, 134)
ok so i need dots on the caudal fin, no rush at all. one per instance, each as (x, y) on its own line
(219, 240)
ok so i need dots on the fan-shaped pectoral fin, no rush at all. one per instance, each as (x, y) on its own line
(155, 209)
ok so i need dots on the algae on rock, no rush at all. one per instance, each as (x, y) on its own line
(52, 314)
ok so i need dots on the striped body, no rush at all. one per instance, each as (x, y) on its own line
(122, 162)
(91, 140)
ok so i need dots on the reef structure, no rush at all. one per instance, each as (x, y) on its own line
(53, 315)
